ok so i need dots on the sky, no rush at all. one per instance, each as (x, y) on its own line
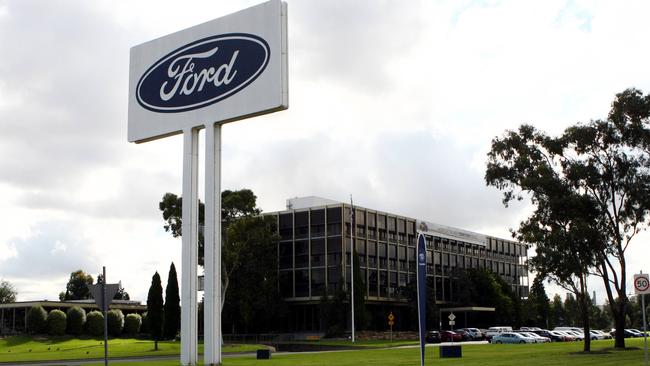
(393, 102)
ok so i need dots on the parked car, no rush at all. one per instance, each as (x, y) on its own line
(626, 333)
(603, 334)
(510, 337)
(566, 336)
(432, 336)
(580, 336)
(538, 338)
(636, 331)
(530, 329)
(496, 330)
(475, 333)
(449, 336)
(464, 334)
(594, 335)
(549, 334)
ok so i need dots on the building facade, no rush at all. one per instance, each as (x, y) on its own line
(314, 256)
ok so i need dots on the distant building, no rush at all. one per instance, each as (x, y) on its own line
(314, 248)
(13, 315)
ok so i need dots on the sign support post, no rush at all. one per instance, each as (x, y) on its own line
(642, 287)
(190, 259)
(105, 311)
(213, 299)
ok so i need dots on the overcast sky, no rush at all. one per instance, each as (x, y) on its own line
(394, 102)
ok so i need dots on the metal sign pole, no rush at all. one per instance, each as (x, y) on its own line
(189, 258)
(105, 310)
(645, 334)
(213, 300)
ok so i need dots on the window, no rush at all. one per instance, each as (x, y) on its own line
(286, 226)
(302, 283)
(302, 224)
(286, 255)
(317, 282)
(302, 253)
(317, 223)
(317, 252)
(286, 283)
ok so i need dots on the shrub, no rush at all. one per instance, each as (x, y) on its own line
(144, 328)
(132, 324)
(115, 322)
(36, 319)
(56, 322)
(76, 320)
(95, 323)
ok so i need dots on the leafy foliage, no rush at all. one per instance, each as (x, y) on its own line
(56, 322)
(77, 286)
(36, 319)
(95, 323)
(8, 292)
(132, 324)
(172, 307)
(590, 188)
(155, 309)
(76, 317)
(115, 320)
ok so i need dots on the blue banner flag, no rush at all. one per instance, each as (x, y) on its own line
(422, 294)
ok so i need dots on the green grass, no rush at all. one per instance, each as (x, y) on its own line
(473, 355)
(27, 348)
(377, 343)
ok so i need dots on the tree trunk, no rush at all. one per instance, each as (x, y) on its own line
(619, 323)
(155, 342)
(584, 307)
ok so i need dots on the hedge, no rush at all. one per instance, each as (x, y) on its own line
(115, 322)
(36, 319)
(76, 320)
(132, 324)
(95, 323)
(56, 322)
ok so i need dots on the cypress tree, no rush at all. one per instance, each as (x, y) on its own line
(155, 309)
(172, 310)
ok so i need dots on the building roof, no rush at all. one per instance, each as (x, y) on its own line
(85, 304)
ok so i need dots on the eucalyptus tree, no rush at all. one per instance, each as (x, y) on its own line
(590, 189)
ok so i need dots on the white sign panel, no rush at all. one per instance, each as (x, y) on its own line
(641, 284)
(224, 70)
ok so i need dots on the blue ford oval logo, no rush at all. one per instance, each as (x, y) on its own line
(203, 73)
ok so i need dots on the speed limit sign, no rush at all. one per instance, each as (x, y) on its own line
(641, 284)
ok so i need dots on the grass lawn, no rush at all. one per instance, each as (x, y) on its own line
(27, 348)
(473, 355)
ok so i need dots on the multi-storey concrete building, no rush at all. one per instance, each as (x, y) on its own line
(314, 255)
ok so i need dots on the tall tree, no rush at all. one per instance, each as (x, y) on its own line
(361, 315)
(77, 286)
(172, 308)
(557, 312)
(539, 302)
(604, 164)
(243, 233)
(155, 309)
(8, 292)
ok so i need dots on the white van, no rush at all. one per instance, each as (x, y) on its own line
(492, 331)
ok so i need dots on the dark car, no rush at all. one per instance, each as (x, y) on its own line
(432, 337)
(464, 335)
(626, 333)
(449, 336)
(546, 333)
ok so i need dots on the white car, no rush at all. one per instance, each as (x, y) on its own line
(538, 338)
(512, 338)
(596, 335)
(605, 335)
(580, 336)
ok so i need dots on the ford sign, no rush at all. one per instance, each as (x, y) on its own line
(203, 72)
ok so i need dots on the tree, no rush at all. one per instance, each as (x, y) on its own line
(95, 323)
(77, 286)
(76, 317)
(115, 320)
(8, 292)
(557, 312)
(247, 240)
(132, 324)
(361, 315)
(36, 319)
(155, 309)
(602, 165)
(571, 310)
(172, 308)
(56, 322)
(540, 303)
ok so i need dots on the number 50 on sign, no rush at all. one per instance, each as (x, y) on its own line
(641, 284)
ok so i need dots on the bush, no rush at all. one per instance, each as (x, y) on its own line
(36, 319)
(76, 320)
(56, 322)
(95, 323)
(115, 322)
(144, 328)
(132, 324)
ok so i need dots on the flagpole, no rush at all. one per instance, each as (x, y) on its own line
(352, 261)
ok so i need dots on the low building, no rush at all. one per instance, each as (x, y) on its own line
(13, 315)
(314, 254)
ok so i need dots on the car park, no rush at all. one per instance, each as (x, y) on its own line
(637, 332)
(579, 336)
(626, 333)
(464, 334)
(602, 334)
(511, 337)
(432, 336)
